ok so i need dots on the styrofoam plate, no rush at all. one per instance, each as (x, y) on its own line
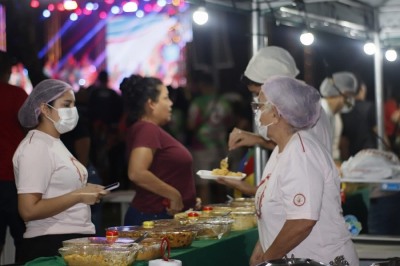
(208, 175)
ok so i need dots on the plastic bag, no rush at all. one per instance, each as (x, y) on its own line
(371, 164)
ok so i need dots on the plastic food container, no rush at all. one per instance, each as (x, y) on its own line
(99, 255)
(151, 249)
(124, 242)
(178, 236)
(210, 227)
(243, 220)
(243, 202)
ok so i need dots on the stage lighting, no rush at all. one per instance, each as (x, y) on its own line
(46, 13)
(70, 5)
(391, 55)
(369, 48)
(200, 16)
(307, 38)
(130, 7)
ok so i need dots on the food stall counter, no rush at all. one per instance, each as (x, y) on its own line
(234, 249)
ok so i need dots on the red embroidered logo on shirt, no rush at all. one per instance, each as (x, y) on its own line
(299, 200)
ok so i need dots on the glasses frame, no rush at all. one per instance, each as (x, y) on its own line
(261, 106)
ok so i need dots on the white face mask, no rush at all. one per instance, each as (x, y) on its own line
(262, 130)
(68, 119)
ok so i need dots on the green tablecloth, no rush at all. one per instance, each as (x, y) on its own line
(234, 249)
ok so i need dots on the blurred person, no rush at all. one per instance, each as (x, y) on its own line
(392, 122)
(11, 134)
(70, 72)
(53, 193)
(266, 63)
(360, 135)
(338, 93)
(356, 137)
(78, 142)
(19, 77)
(298, 201)
(105, 110)
(88, 70)
(177, 126)
(159, 166)
(209, 120)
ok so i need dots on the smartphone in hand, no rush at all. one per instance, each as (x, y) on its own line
(112, 186)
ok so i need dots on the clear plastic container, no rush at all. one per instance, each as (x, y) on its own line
(151, 249)
(99, 255)
(178, 236)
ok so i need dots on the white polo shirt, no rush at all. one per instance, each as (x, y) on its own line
(302, 182)
(42, 164)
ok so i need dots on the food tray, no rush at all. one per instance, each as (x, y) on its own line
(99, 255)
(178, 236)
(204, 174)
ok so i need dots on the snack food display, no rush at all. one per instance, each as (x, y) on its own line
(151, 249)
(99, 255)
(178, 236)
(96, 240)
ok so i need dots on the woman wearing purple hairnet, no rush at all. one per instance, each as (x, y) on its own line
(298, 200)
(53, 193)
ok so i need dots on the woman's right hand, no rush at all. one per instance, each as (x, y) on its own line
(91, 193)
(256, 256)
(175, 204)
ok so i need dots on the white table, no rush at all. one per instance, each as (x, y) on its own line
(370, 247)
(123, 197)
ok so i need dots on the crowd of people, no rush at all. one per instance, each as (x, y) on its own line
(65, 145)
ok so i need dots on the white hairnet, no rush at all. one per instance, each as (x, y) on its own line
(44, 92)
(346, 82)
(270, 61)
(297, 102)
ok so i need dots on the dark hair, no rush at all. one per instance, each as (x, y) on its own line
(136, 90)
(103, 76)
(246, 81)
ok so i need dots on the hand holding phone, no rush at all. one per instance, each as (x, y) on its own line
(112, 186)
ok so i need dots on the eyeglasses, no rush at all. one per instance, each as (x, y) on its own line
(255, 106)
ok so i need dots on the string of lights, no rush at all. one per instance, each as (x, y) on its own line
(104, 8)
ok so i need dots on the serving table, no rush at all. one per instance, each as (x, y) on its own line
(234, 249)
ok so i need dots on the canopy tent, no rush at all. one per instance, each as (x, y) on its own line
(375, 20)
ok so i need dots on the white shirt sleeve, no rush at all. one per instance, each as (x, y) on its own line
(35, 165)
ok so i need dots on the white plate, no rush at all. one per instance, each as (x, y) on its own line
(208, 175)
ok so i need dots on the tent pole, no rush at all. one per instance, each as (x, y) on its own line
(378, 70)
(258, 41)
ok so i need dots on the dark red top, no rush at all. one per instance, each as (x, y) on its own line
(11, 132)
(172, 163)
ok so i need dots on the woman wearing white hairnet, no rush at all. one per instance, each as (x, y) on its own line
(298, 201)
(53, 194)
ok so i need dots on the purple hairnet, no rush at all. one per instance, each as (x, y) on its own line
(297, 102)
(44, 92)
